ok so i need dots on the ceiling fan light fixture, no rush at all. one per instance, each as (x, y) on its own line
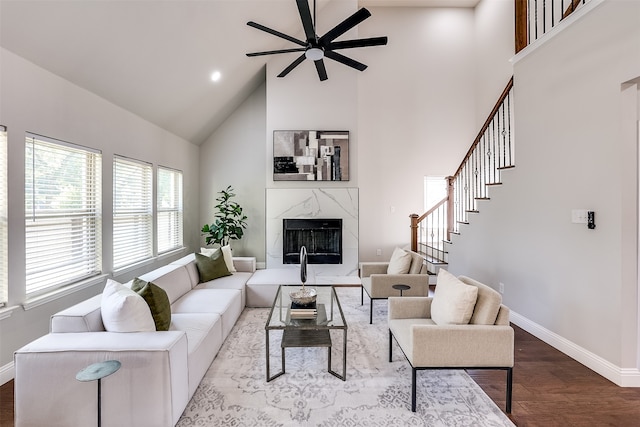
(314, 53)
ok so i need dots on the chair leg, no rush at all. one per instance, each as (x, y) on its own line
(413, 389)
(361, 295)
(509, 389)
(370, 311)
(390, 344)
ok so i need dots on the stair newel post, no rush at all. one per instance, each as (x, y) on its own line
(450, 205)
(414, 232)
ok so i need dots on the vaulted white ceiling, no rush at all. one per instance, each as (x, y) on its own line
(154, 57)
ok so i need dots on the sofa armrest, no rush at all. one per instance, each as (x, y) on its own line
(150, 389)
(369, 268)
(460, 346)
(245, 264)
(410, 307)
(382, 285)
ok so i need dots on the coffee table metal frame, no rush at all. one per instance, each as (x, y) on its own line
(307, 332)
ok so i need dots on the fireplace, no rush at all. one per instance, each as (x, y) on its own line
(321, 237)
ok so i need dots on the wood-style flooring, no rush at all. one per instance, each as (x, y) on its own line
(549, 389)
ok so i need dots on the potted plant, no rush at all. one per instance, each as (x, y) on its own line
(229, 221)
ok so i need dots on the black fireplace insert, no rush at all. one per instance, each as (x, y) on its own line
(321, 236)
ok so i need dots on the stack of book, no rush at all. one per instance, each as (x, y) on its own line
(303, 311)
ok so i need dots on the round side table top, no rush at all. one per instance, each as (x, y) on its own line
(98, 370)
(401, 287)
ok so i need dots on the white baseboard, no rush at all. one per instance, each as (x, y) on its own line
(7, 373)
(623, 377)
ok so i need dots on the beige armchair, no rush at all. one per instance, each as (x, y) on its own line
(377, 280)
(482, 339)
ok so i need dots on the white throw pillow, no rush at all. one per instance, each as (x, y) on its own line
(226, 254)
(123, 310)
(228, 258)
(400, 262)
(454, 301)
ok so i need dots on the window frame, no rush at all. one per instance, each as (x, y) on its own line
(175, 224)
(65, 246)
(4, 223)
(140, 217)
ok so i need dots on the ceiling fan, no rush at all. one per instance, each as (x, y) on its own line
(316, 48)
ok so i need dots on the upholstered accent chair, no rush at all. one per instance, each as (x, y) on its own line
(464, 326)
(404, 268)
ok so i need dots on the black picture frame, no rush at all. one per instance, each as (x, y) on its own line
(310, 155)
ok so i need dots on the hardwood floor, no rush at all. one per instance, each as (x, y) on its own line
(549, 389)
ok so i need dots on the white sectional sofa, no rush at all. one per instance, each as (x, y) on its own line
(160, 370)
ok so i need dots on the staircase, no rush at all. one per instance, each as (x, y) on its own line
(491, 152)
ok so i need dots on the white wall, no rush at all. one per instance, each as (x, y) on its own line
(416, 115)
(412, 113)
(576, 146)
(34, 100)
(493, 49)
(235, 155)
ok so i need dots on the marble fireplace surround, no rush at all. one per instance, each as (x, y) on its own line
(313, 203)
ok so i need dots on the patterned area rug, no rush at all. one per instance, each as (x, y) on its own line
(234, 391)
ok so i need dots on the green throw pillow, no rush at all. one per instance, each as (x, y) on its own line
(211, 267)
(158, 302)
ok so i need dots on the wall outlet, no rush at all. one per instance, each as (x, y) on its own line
(501, 288)
(379, 252)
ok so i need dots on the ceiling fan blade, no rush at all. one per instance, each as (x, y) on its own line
(272, 52)
(344, 26)
(293, 65)
(344, 60)
(305, 16)
(348, 44)
(322, 71)
(276, 33)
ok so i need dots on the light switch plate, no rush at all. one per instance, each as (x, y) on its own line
(579, 216)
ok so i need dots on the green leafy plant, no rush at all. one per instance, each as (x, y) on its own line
(229, 221)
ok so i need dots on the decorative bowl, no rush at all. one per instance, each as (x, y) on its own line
(304, 296)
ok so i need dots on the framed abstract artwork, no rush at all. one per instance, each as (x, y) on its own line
(310, 155)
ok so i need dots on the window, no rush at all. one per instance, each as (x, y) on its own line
(132, 212)
(169, 208)
(435, 189)
(3, 216)
(63, 213)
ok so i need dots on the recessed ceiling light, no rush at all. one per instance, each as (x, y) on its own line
(215, 76)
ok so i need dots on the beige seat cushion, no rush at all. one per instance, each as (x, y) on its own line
(400, 262)
(487, 304)
(453, 301)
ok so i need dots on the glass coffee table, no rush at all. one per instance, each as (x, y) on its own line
(307, 329)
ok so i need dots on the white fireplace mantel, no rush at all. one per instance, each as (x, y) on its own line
(313, 203)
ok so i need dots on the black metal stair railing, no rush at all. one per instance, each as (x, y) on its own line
(493, 149)
(491, 152)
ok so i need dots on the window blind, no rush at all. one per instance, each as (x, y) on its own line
(63, 213)
(3, 217)
(169, 209)
(132, 212)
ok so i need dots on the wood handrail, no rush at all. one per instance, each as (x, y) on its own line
(521, 25)
(430, 211)
(571, 8)
(486, 124)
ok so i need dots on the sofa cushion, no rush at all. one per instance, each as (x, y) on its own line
(417, 263)
(400, 262)
(211, 267)
(174, 279)
(123, 310)
(487, 305)
(453, 301)
(157, 300)
(225, 302)
(226, 253)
